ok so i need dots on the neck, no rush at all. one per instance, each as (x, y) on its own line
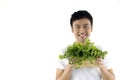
(82, 43)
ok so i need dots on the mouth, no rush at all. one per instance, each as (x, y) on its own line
(83, 37)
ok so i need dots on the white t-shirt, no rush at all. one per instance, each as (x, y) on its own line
(84, 73)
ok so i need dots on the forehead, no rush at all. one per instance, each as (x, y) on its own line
(83, 21)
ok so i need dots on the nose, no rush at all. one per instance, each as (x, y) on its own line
(82, 31)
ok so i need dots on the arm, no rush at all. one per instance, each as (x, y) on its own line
(107, 74)
(64, 74)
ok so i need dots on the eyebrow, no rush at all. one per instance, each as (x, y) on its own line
(83, 24)
(86, 24)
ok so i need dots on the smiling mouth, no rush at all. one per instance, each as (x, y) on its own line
(82, 36)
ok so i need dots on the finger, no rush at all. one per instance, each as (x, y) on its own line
(99, 59)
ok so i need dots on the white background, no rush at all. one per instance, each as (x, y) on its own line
(33, 33)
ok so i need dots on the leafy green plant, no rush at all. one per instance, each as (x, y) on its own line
(77, 53)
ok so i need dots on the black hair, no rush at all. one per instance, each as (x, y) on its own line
(79, 15)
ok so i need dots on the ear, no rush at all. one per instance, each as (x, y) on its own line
(91, 28)
(72, 29)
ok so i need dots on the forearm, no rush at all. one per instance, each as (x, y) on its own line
(106, 74)
(66, 74)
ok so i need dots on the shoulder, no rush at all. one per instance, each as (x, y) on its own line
(106, 60)
(61, 63)
(65, 48)
(98, 46)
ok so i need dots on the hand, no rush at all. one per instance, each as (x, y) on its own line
(99, 62)
(68, 67)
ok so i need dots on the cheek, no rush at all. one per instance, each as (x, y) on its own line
(89, 33)
(75, 33)
(89, 30)
(74, 30)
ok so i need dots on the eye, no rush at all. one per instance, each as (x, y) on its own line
(77, 26)
(86, 26)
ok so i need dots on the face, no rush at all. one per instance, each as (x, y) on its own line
(81, 29)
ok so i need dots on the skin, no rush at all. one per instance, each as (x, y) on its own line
(81, 29)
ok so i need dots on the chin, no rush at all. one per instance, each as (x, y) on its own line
(80, 40)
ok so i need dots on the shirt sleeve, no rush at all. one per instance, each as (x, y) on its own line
(106, 62)
(61, 63)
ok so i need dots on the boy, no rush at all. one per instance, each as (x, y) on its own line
(81, 26)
